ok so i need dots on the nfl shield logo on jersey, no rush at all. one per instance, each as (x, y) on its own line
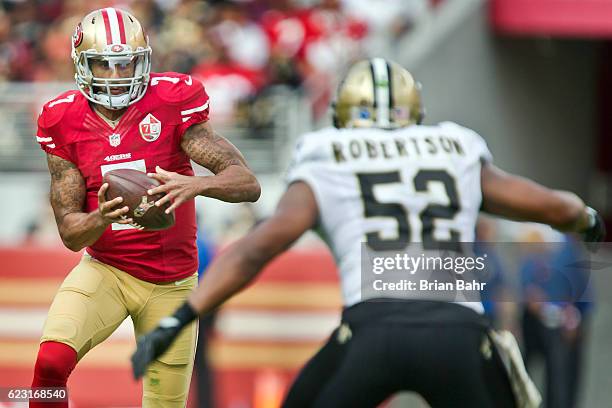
(114, 139)
(150, 128)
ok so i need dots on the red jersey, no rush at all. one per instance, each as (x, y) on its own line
(148, 134)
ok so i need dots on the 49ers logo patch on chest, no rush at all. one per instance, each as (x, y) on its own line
(150, 128)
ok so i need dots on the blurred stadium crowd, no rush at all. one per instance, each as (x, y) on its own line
(240, 48)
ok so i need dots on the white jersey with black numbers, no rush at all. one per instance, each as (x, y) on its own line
(390, 188)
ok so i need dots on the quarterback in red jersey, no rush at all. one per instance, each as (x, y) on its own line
(124, 116)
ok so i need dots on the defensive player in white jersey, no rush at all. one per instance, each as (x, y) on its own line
(381, 178)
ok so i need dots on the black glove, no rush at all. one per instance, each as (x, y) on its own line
(596, 232)
(155, 343)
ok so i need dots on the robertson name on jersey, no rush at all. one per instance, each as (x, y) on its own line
(147, 135)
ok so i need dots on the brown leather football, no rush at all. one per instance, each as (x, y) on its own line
(132, 185)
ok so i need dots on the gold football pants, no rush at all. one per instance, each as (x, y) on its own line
(95, 298)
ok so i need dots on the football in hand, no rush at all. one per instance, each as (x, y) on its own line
(132, 185)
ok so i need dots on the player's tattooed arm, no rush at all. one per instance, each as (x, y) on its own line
(209, 149)
(233, 181)
(67, 187)
(77, 228)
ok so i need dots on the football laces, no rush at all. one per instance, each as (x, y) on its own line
(137, 226)
(134, 224)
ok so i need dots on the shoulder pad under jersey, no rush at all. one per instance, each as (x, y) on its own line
(314, 146)
(175, 88)
(54, 110)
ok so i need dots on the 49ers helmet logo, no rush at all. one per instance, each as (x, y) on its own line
(77, 37)
(150, 128)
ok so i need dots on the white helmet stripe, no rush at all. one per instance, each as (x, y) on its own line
(381, 90)
(114, 25)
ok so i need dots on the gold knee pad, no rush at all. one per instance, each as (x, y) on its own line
(86, 309)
